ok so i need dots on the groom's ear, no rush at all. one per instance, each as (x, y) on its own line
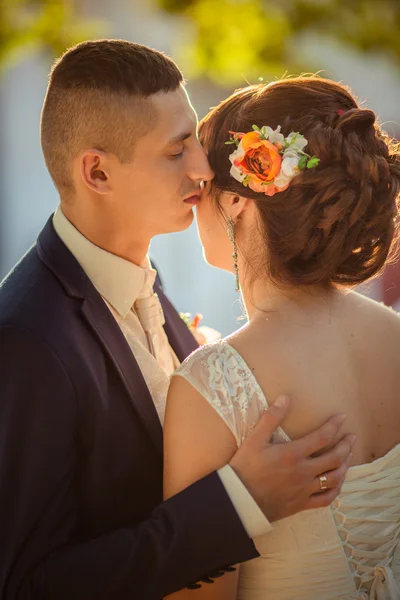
(94, 170)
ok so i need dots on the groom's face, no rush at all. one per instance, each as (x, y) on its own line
(157, 190)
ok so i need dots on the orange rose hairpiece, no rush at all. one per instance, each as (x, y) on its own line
(266, 161)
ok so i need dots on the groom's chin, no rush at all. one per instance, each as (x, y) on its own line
(179, 223)
(185, 221)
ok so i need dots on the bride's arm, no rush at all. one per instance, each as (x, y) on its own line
(196, 442)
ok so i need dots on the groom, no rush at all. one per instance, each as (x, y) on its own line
(85, 360)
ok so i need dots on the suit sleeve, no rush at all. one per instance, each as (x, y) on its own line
(188, 537)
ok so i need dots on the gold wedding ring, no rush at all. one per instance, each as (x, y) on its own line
(323, 483)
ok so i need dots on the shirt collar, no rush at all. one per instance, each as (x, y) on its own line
(119, 281)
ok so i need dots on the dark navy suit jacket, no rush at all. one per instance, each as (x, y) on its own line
(81, 511)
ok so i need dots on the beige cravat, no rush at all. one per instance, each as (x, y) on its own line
(151, 316)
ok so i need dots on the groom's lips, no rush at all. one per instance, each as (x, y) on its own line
(195, 199)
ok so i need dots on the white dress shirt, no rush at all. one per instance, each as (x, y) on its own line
(121, 283)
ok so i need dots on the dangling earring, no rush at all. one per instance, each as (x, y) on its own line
(232, 237)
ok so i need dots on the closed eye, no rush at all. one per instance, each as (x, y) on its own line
(177, 156)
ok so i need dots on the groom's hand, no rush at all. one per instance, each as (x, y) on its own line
(284, 479)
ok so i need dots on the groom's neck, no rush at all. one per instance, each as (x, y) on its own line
(110, 236)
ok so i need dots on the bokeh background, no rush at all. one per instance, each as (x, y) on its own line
(220, 45)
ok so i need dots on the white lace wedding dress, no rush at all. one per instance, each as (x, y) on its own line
(348, 551)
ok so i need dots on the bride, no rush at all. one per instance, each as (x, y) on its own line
(305, 197)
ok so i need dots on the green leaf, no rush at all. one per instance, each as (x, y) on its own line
(303, 163)
(293, 139)
(313, 162)
(231, 142)
(264, 132)
(260, 132)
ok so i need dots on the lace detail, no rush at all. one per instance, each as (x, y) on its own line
(368, 525)
(224, 379)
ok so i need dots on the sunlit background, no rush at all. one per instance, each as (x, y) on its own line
(220, 45)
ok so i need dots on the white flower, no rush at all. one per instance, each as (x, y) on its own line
(273, 136)
(237, 155)
(237, 173)
(289, 169)
(296, 141)
(290, 166)
(281, 182)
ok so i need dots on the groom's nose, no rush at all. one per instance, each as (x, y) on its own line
(201, 170)
(210, 173)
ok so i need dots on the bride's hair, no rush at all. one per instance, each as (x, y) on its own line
(336, 222)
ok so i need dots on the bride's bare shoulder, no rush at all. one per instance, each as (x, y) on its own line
(374, 311)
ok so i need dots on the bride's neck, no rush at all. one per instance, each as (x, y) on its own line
(264, 296)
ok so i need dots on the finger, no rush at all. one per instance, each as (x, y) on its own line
(270, 420)
(333, 478)
(334, 458)
(323, 499)
(320, 438)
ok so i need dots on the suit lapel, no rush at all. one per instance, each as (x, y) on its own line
(110, 336)
(65, 267)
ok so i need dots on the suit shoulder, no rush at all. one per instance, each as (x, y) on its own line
(28, 292)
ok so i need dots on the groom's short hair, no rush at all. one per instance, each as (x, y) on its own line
(97, 97)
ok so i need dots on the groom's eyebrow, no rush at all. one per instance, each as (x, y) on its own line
(179, 138)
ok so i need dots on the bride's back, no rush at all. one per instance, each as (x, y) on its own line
(340, 355)
(349, 550)
(335, 354)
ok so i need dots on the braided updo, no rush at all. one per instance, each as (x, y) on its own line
(335, 223)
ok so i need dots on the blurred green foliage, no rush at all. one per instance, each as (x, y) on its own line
(228, 40)
(225, 40)
(50, 24)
